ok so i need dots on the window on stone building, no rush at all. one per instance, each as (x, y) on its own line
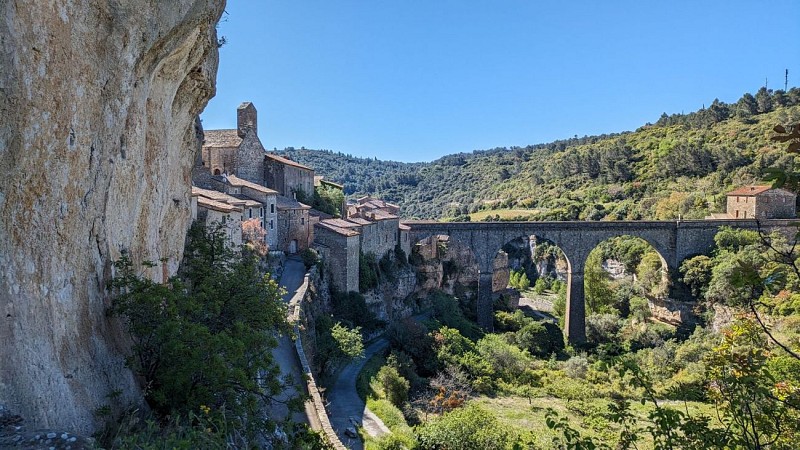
(271, 225)
(223, 219)
(272, 208)
(261, 212)
(249, 213)
(302, 221)
(216, 172)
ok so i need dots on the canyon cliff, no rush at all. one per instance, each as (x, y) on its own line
(98, 101)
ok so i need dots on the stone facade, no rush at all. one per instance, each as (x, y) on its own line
(342, 249)
(213, 212)
(294, 227)
(287, 176)
(761, 202)
(266, 197)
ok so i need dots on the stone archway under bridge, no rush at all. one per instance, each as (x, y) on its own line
(674, 241)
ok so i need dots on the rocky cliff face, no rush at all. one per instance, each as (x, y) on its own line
(97, 106)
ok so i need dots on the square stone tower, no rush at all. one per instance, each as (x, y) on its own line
(246, 119)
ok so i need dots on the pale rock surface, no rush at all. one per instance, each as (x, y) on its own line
(98, 100)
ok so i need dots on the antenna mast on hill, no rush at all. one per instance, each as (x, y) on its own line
(786, 81)
(766, 81)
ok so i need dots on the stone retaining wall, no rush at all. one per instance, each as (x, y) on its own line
(316, 397)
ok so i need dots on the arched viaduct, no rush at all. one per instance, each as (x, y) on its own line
(673, 240)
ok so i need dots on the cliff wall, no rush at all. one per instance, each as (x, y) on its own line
(97, 107)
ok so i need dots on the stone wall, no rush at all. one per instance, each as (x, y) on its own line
(380, 237)
(98, 102)
(302, 297)
(286, 179)
(341, 257)
(249, 159)
(293, 225)
(390, 300)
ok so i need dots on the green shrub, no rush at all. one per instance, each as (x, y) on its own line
(469, 428)
(392, 385)
(310, 257)
(204, 339)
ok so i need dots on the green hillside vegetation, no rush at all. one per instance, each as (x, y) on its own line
(681, 165)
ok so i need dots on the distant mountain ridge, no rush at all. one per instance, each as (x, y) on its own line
(680, 166)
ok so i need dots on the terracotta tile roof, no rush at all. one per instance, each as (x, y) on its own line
(747, 191)
(341, 223)
(359, 220)
(378, 214)
(213, 195)
(289, 203)
(320, 214)
(343, 231)
(221, 138)
(207, 203)
(286, 161)
(249, 202)
(403, 226)
(233, 180)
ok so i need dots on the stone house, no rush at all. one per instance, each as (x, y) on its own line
(761, 202)
(367, 203)
(340, 248)
(288, 177)
(294, 227)
(213, 212)
(266, 197)
(238, 152)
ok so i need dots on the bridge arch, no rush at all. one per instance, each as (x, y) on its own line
(673, 240)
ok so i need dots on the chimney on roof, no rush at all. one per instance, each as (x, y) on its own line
(246, 119)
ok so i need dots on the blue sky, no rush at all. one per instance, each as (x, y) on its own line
(413, 80)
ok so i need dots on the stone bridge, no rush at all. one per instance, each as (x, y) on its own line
(673, 240)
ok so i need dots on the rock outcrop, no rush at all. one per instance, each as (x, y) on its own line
(97, 107)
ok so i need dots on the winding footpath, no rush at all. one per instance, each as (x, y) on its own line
(344, 402)
(286, 358)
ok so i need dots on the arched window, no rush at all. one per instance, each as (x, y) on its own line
(216, 172)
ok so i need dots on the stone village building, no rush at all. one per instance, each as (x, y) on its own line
(236, 179)
(371, 226)
(235, 161)
(759, 202)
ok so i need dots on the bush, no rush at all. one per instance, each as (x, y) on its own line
(540, 338)
(576, 367)
(506, 359)
(391, 385)
(351, 308)
(602, 328)
(470, 428)
(367, 272)
(309, 257)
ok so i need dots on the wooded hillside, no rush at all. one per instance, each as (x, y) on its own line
(680, 165)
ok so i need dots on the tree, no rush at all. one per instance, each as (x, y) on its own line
(254, 236)
(204, 338)
(596, 280)
(746, 106)
(392, 385)
(763, 100)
